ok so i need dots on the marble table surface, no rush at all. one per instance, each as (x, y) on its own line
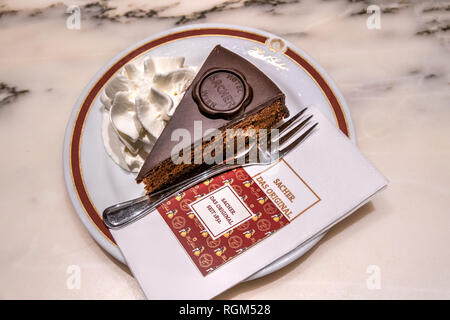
(395, 78)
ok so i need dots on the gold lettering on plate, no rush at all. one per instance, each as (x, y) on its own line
(260, 54)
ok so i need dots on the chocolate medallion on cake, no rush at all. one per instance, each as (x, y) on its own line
(222, 92)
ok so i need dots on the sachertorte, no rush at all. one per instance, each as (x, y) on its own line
(228, 92)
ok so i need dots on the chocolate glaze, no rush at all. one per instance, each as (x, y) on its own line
(222, 93)
(245, 90)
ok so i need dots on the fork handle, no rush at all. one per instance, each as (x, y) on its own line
(122, 214)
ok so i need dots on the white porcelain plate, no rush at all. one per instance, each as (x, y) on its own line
(94, 181)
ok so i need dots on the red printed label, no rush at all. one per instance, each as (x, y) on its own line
(221, 217)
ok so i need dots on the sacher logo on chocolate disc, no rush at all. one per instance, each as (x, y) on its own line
(222, 92)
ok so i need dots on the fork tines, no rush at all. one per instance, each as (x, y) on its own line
(290, 128)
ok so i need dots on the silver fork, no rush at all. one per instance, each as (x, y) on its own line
(124, 213)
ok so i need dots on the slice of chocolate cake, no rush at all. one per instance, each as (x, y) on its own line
(228, 92)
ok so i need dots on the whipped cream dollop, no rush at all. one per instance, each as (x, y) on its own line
(137, 104)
